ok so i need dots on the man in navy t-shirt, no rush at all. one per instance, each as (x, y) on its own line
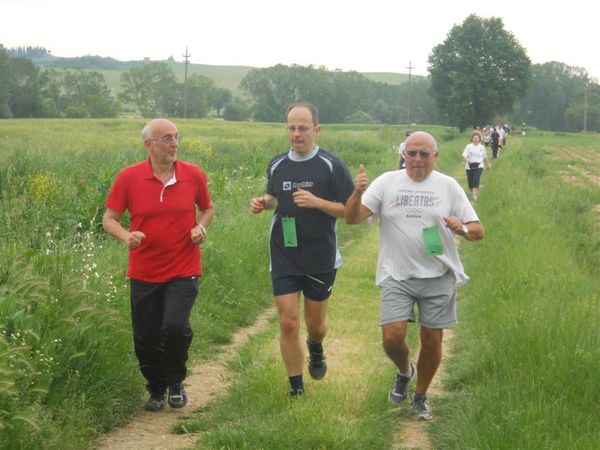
(307, 187)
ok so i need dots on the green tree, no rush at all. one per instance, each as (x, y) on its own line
(201, 94)
(337, 94)
(222, 98)
(478, 72)
(152, 88)
(25, 96)
(5, 83)
(51, 93)
(237, 110)
(556, 99)
(271, 89)
(85, 94)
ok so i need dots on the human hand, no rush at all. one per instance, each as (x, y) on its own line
(455, 224)
(134, 239)
(198, 234)
(257, 205)
(361, 182)
(305, 199)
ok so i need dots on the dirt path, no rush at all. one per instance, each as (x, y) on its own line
(412, 434)
(205, 381)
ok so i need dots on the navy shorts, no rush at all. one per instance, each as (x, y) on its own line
(317, 286)
(473, 177)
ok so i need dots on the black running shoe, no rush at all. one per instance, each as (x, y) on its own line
(316, 363)
(156, 401)
(399, 392)
(296, 392)
(420, 408)
(177, 396)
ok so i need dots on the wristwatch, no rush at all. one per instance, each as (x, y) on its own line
(465, 230)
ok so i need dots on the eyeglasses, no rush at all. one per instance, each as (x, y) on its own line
(421, 153)
(301, 129)
(167, 139)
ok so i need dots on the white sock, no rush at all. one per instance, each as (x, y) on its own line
(408, 374)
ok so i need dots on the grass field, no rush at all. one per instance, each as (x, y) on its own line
(526, 353)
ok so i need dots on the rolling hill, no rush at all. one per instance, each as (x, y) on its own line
(228, 77)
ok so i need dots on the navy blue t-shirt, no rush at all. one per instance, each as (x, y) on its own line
(325, 176)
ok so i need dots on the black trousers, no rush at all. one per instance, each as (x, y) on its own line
(160, 316)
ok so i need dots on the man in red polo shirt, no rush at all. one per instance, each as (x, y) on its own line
(170, 208)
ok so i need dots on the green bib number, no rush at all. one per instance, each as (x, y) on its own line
(289, 231)
(433, 241)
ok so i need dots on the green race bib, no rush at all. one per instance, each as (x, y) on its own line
(289, 231)
(433, 241)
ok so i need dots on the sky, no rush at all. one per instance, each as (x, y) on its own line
(360, 35)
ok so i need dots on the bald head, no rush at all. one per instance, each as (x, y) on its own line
(422, 138)
(151, 128)
(420, 153)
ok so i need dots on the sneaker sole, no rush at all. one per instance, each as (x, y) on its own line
(154, 407)
(178, 404)
(396, 400)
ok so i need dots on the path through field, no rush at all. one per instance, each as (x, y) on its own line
(413, 434)
(207, 380)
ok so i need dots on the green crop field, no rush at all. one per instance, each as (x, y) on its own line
(526, 355)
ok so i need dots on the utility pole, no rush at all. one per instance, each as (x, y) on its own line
(410, 68)
(585, 106)
(186, 56)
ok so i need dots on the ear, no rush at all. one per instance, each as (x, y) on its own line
(317, 129)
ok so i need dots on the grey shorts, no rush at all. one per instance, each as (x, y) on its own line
(435, 298)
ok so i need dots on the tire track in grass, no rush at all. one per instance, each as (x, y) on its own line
(205, 382)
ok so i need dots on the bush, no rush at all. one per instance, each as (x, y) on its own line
(359, 117)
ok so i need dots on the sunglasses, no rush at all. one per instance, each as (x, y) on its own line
(421, 153)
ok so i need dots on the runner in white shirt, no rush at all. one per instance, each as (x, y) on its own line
(420, 211)
(475, 158)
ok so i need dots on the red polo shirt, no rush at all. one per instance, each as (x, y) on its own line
(165, 214)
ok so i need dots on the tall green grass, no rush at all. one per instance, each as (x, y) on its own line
(528, 348)
(68, 371)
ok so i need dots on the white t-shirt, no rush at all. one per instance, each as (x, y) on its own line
(401, 148)
(405, 207)
(474, 153)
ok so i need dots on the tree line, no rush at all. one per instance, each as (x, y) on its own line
(479, 75)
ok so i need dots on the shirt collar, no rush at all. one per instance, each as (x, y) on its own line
(149, 174)
(312, 154)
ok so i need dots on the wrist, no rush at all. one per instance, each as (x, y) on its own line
(202, 229)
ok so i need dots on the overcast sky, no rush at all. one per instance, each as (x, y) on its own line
(361, 35)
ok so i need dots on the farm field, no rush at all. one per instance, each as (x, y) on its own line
(525, 357)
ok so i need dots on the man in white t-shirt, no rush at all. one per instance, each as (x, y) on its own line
(420, 211)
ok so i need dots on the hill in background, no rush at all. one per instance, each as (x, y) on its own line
(228, 77)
